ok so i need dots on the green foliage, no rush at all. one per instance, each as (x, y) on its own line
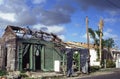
(22, 71)
(98, 33)
(94, 68)
(95, 35)
(23, 75)
(98, 55)
(2, 73)
(92, 33)
(110, 64)
(109, 43)
(75, 56)
(29, 78)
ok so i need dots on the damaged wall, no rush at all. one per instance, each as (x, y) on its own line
(2, 57)
(14, 48)
(10, 46)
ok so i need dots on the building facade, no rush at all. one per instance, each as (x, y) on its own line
(21, 50)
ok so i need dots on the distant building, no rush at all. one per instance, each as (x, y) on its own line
(94, 54)
(116, 57)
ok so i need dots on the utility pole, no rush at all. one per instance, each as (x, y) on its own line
(87, 31)
(100, 43)
(88, 43)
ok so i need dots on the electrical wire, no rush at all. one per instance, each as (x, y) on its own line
(110, 2)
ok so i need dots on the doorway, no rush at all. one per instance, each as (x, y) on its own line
(37, 61)
(37, 49)
(31, 57)
(26, 57)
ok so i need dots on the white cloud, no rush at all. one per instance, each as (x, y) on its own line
(75, 34)
(62, 37)
(109, 30)
(8, 16)
(38, 1)
(111, 20)
(1, 2)
(108, 34)
(16, 12)
(59, 30)
(38, 26)
(77, 25)
(84, 36)
(31, 12)
(51, 29)
(56, 29)
(114, 13)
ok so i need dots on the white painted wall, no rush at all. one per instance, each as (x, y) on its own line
(93, 58)
(118, 61)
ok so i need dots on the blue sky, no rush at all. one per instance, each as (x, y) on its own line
(66, 18)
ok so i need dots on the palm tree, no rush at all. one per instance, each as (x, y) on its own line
(95, 35)
(109, 43)
(92, 34)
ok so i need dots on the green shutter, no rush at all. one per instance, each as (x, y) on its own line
(31, 57)
(42, 57)
(48, 59)
(20, 57)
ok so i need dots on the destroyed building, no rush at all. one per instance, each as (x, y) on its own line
(22, 48)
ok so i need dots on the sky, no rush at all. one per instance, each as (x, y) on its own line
(66, 18)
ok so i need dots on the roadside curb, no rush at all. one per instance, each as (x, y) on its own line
(100, 72)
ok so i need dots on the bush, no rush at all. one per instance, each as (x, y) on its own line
(94, 68)
(2, 72)
(110, 64)
(23, 75)
(22, 71)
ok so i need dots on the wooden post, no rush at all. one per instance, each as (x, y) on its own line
(87, 31)
(100, 46)
(31, 57)
(79, 61)
(87, 21)
(34, 57)
(63, 64)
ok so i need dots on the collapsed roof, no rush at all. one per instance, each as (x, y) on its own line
(28, 33)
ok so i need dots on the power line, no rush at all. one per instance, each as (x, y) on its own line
(110, 2)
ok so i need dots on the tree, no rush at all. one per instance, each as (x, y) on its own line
(95, 35)
(109, 43)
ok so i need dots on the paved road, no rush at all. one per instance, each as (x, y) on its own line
(115, 75)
